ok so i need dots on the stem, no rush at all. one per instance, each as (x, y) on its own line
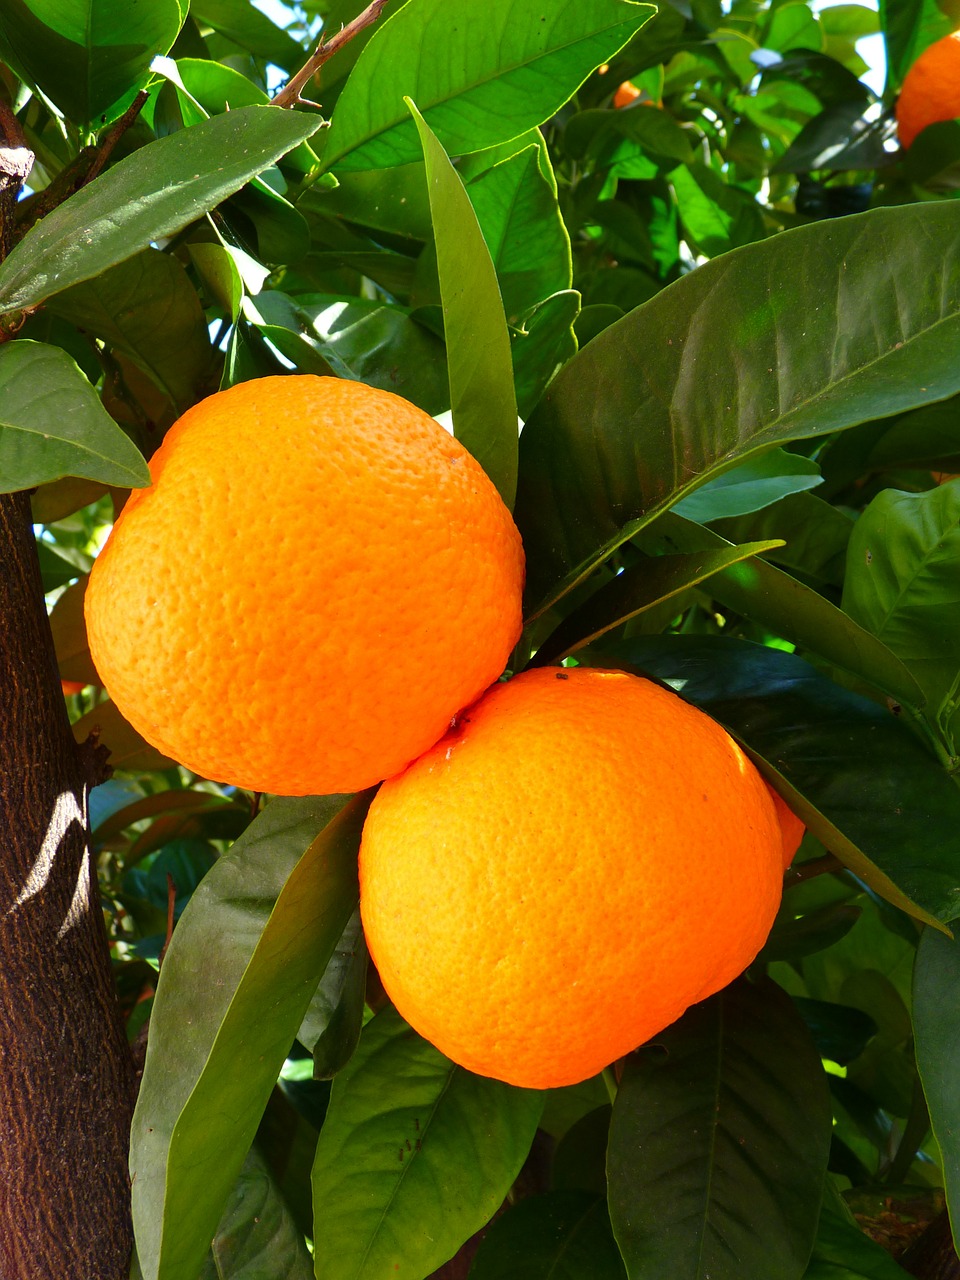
(289, 95)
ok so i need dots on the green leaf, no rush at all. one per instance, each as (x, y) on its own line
(790, 609)
(843, 1251)
(52, 424)
(476, 84)
(901, 584)
(861, 781)
(632, 592)
(719, 1143)
(332, 1023)
(908, 27)
(89, 56)
(415, 1155)
(751, 486)
(936, 1026)
(844, 320)
(257, 1235)
(520, 219)
(147, 308)
(226, 1014)
(146, 196)
(564, 1235)
(840, 1032)
(542, 346)
(479, 363)
(716, 215)
(247, 26)
(815, 533)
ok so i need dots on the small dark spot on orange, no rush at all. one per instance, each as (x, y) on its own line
(562, 675)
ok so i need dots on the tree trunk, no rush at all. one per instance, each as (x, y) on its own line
(66, 1079)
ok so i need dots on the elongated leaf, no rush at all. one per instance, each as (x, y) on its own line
(415, 1155)
(637, 589)
(790, 609)
(236, 981)
(902, 584)
(719, 1143)
(844, 320)
(908, 27)
(753, 485)
(146, 196)
(477, 84)
(564, 1235)
(861, 782)
(147, 308)
(520, 219)
(52, 424)
(479, 363)
(842, 1250)
(246, 25)
(331, 1026)
(90, 56)
(936, 1025)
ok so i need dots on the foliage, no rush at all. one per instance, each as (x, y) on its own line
(729, 317)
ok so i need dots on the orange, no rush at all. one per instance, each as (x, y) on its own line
(625, 94)
(317, 580)
(791, 828)
(70, 687)
(582, 857)
(931, 89)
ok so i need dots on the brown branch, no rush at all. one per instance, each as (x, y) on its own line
(289, 95)
(171, 911)
(114, 134)
(16, 161)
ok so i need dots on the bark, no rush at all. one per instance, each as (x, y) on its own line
(66, 1078)
(932, 1256)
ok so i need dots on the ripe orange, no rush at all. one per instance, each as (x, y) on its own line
(931, 89)
(317, 580)
(625, 94)
(582, 857)
(70, 687)
(791, 828)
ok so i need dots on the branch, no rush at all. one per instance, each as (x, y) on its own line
(289, 95)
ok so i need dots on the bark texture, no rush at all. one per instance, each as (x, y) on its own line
(932, 1256)
(66, 1078)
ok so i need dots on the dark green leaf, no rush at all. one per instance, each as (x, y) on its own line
(52, 424)
(861, 782)
(476, 85)
(479, 364)
(842, 1250)
(580, 1159)
(618, 438)
(936, 1024)
(415, 1155)
(840, 1032)
(247, 26)
(226, 1014)
(908, 27)
(753, 485)
(542, 346)
(146, 196)
(147, 308)
(91, 56)
(564, 1235)
(790, 938)
(331, 1026)
(719, 1143)
(815, 533)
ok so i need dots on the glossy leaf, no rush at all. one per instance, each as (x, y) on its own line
(617, 438)
(479, 364)
(91, 56)
(632, 592)
(936, 1026)
(542, 346)
(331, 1026)
(861, 782)
(901, 584)
(719, 1143)
(753, 485)
(415, 1155)
(790, 609)
(476, 84)
(147, 308)
(225, 1016)
(518, 214)
(146, 196)
(563, 1235)
(52, 424)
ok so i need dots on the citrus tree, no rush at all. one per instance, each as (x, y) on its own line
(686, 250)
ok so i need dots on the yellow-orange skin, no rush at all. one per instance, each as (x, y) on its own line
(317, 580)
(931, 89)
(625, 94)
(792, 829)
(583, 857)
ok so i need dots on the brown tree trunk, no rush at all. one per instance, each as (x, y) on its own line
(933, 1256)
(66, 1080)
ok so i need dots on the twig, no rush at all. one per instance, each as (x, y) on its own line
(114, 134)
(826, 865)
(289, 95)
(171, 908)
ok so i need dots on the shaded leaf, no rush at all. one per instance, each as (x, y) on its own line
(842, 1251)
(52, 424)
(751, 486)
(564, 1235)
(840, 1032)
(719, 1143)
(127, 749)
(542, 346)
(332, 1023)
(415, 1155)
(251, 29)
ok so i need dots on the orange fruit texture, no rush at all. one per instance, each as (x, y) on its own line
(582, 857)
(931, 89)
(318, 579)
(625, 94)
(792, 829)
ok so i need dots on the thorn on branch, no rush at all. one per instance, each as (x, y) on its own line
(93, 760)
(289, 95)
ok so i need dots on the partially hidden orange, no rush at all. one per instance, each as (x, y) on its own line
(931, 89)
(791, 828)
(317, 580)
(626, 94)
(582, 857)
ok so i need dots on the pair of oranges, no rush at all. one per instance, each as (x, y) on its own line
(317, 593)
